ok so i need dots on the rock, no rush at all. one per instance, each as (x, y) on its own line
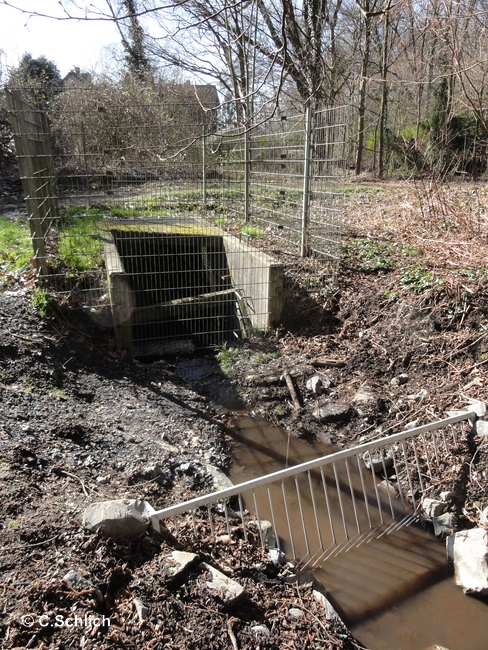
(141, 610)
(79, 583)
(411, 425)
(329, 610)
(294, 612)
(448, 496)
(276, 556)
(478, 407)
(444, 525)
(229, 590)
(467, 553)
(484, 517)
(386, 486)
(260, 630)
(165, 477)
(363, 397)
(481, 428)
(103, 480)
(124, 518)
(220, 480)
(375, 461)
(333, 412)
(433, 507)
(186, 468)
(267, 533)
(314, 385)
(399, 380)
(419, 397)
(150, 471)
(178, 562)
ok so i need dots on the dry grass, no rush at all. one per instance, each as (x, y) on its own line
(447, 224)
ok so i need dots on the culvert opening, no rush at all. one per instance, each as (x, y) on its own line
(180, 287)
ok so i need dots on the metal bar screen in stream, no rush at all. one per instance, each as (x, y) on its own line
(325, 506)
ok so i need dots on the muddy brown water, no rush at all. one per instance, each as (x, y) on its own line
(393, 592)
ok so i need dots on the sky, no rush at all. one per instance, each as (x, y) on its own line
(68, 43)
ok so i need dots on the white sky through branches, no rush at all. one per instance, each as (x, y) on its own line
(68, 43)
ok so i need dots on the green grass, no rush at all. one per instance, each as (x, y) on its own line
(227, 358)
(15, 244)
(252, 231)
(79, 245)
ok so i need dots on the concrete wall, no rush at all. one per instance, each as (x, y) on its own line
(259, 276)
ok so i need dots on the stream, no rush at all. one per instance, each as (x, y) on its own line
(392, 592)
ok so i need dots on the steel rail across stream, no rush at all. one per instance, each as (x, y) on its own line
(375, 513)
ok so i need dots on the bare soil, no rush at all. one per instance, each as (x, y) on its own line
(79, 424)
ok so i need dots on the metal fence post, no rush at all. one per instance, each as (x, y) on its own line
(304, 248)
(247, 174)
(204, 165)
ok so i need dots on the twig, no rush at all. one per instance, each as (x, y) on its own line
(21, 548)
(291, 388)
(81, 482)
(233, 639)
(464, 371)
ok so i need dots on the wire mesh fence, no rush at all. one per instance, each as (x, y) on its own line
(142, 210)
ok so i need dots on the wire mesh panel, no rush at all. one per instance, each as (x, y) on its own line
(338, 502)
(327, 176)
(294, 187)
(142, 211)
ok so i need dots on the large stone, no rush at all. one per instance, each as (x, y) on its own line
(433, 507)
(124, 518)
(267, 533)
(220, 480)
(260, 630)
(481, 428)
(333, 412)
(330, 612)
(178, 562)
(315, 385)
(444, 525)
(467, 553)
(229, 590)
(378, 461)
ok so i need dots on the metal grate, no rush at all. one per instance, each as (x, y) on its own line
(149, 219)
(332, 504)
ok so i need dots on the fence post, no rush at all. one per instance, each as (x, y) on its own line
(247, 173)
(304, 248)
(32, 144)
(204, 165)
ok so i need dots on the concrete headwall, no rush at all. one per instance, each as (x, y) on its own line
(259, 276)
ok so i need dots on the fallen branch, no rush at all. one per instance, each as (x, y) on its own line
(291, 388)
(326, 362)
